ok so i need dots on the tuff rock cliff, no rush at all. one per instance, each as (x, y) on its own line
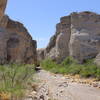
(16, 44)
(77, 35)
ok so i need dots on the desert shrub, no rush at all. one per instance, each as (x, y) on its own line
(59, 70)
(14, 78)
(70, 66)
(48, 64)
(74, 69)
(68, 61)
(89, 70)
(98, 74)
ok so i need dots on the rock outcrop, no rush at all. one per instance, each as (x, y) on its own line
(16, 44)
(97, 60)
(77, 35)
(85, 35)
(2, 7)
(58, 46)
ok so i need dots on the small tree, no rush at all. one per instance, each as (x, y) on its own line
(14, 79)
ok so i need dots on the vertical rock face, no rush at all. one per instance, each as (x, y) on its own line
(3, 4)
(85, 35)
(97, 60)
(58, 46)
(16, 44)
(77, 35)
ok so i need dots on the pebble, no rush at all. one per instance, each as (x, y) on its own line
(95, 84)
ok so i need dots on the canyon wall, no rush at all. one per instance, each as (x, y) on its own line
(16, 44)
(77, 35)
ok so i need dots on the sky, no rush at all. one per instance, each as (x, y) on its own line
(41, 16)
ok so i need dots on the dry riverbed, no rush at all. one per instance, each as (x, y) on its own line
(58, 87)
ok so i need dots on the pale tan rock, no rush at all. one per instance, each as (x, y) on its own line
(95, 84)
(97, 60)
(58, 45)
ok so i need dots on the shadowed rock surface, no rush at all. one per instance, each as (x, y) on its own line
(16, 44)
(40, 54)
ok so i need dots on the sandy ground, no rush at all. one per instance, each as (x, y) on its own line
(58, 87)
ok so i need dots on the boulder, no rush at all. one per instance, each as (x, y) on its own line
(16, 44)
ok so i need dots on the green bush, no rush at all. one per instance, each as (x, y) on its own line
(89, 62)
(89, 70)
(48, 64)
(68, 61)
(14, 78)
(74, 69)
(98, 73)
(70, 66)
(59, 70)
